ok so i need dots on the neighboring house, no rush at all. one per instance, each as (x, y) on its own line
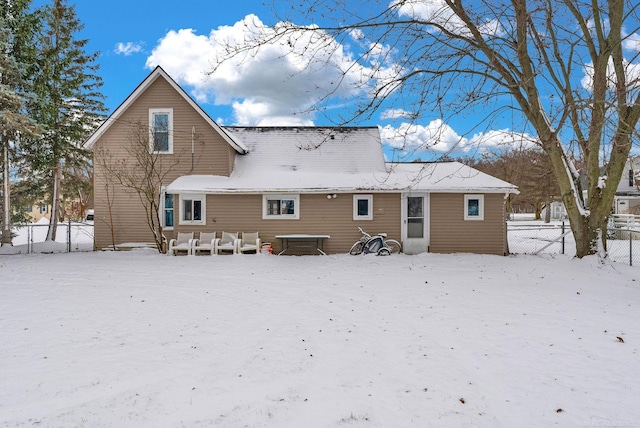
(38, 212)
(627, 198)
(558, 211)
(285, 180)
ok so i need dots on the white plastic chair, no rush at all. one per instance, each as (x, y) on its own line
(249, 242)
(181, 244)
(228, 242)
(205, 242)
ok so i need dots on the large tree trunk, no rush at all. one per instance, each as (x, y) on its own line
(6, 224)
(586, 237)
(547, 213)
(55, 203)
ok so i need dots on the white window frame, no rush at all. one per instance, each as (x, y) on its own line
(191, 197)
(480, 199)
(152, 113)
(369, 199)
(282, 197)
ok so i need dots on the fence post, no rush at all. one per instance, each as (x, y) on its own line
(562, 236)
(69, 235)
(630, 247)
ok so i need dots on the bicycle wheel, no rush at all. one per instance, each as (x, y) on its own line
(384, 251)
(356, 248)
(394, 246)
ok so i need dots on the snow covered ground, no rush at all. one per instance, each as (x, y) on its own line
(31, 238)
(137, 339)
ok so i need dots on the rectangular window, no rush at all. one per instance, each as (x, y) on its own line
(631, 180)
(161, 130)
(415, 217)
(281, 207)
(192, 209)
(363, 207)
(474, 207)
(168, 210)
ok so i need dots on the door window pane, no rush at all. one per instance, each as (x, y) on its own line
(415, 228)
(415, 217)
(414, 207)
(168, 210)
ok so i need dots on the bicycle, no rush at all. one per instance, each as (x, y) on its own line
(377, 244)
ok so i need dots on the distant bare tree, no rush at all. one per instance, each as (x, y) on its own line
(530, 170)
(558, 68)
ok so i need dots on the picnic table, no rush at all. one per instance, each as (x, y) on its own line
(303, 238)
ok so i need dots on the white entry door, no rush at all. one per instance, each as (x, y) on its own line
(415, 225)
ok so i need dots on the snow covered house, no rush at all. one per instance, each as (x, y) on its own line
(289, 180)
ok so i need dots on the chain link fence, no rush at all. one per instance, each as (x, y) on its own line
(70, 237)
(623, 244)
(524, 237)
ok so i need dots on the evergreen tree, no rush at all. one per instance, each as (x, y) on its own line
(68, 104)
(17, 28)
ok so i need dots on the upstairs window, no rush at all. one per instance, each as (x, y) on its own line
(161, 130)
(631, 180)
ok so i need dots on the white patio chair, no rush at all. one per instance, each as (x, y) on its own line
(205, 242)
(181, 244)
(249, 242)
(228, 242)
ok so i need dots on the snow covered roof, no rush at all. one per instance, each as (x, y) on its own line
(445, 177)
(316, 159)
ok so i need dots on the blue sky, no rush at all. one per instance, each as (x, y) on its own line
(134, 36)
(125, 32)
(270, 88)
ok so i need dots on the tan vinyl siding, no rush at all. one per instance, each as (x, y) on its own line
(318, 215)
(212, 155)
(450, 233)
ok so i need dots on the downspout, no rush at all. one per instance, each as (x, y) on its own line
(193, 132)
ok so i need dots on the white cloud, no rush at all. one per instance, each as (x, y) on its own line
(632, 42)
(438, 12)
(127, 48)
(395, 113)
(501, 138)
(632, 73)
(436, 136)
(277, 83)
(441, 138)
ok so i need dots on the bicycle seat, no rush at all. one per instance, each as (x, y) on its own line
(384, 235)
